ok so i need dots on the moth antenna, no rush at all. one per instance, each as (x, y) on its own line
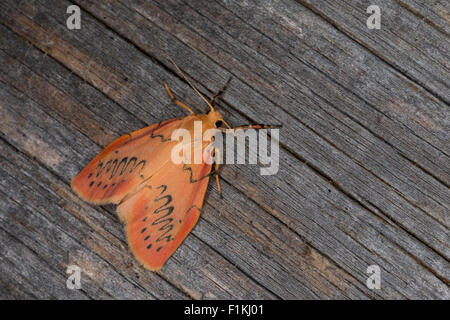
(225, 123)
(185, 78)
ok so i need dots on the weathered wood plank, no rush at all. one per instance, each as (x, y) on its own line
(197, 69)
(414, 46)
(249, 289)
(351, 191)
(281, 284)
(336, 128)
(60, 242)
(107, 245)
(435, 13)
(282, 49)
(17, 231)
(11, 134)
(14, 286)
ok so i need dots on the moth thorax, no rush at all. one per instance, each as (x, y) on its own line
(214, 116)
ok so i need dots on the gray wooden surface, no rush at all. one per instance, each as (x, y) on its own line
(364, 149)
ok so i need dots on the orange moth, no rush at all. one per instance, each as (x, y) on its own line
(158, 201)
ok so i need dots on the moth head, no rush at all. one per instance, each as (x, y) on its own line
(215, 117)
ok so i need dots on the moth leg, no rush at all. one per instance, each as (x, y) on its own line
(220, 92)
(218, 183)
(177, 102)
(249, 126)
(216, 170)
(258, 126)
(253, 126)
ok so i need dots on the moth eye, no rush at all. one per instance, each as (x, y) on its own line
(218, 124)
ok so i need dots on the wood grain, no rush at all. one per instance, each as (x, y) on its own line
(364, 169)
